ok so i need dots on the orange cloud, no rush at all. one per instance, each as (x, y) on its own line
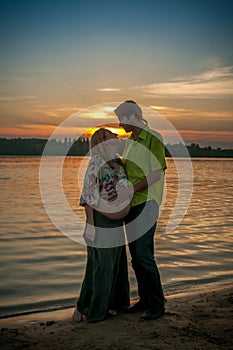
(43, 131)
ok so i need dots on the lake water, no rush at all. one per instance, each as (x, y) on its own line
(42, 269)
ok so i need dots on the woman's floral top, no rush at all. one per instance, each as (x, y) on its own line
(100, 180)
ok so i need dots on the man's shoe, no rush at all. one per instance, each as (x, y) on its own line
(154, 313)
(138, 307)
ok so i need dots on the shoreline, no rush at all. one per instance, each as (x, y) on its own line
(203, 318)
(191, 290)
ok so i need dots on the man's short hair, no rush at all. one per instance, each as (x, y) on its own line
(128, 107)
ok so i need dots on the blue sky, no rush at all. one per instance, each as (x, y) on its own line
(61, 56)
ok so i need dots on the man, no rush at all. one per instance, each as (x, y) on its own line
(144, 159)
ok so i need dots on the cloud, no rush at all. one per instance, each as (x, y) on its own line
(41, 106)
(77, 118)
(174, 112)
(217, 82)
(102, 112)
(17, 98)
(108, 89)
(94, 112)
(168, 108)
(59, 112)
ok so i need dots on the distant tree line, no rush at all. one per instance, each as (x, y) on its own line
(80, 147)
(35, 147)
(194, 150)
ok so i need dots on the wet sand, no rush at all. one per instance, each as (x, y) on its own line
(194, 321)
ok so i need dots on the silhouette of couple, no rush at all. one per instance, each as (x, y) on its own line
(122, 196)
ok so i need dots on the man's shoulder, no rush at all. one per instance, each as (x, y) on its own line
(154, 134)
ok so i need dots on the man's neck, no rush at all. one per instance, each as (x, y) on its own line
(136, 132)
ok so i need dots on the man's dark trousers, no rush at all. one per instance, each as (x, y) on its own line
(141, 246)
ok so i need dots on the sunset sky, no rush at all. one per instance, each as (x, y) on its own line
(60, 57)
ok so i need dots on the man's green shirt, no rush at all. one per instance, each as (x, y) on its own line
(141, 157)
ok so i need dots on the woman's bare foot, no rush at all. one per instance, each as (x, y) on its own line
(112, 312)
(77, 316)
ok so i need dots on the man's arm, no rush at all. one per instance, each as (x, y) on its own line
(149, 180)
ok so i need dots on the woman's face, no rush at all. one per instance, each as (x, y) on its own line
(112, 141)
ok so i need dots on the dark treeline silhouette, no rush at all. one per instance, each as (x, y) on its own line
(194, 150)
(35, 147)
(80, 147)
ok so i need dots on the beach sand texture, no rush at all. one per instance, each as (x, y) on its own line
(194, 321)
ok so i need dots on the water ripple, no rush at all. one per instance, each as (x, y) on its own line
(42, 269)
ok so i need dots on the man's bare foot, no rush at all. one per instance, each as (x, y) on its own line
(77, 316)
(112, 312)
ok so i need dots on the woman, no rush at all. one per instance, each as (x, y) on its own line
(105, 287)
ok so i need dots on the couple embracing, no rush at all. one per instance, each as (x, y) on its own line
(122, 195)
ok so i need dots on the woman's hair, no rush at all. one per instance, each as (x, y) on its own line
(100, 148)
(98, 137)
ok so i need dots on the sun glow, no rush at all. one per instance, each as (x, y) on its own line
(119, 131)
(116, 130)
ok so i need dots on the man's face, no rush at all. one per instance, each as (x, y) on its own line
(124, 122)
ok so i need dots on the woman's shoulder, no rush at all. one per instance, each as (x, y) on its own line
(95, 160)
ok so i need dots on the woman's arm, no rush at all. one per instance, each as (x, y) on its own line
(146, 182)
(90, 227)
(89, 215)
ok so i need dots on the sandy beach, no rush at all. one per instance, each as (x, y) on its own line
(198, 320)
